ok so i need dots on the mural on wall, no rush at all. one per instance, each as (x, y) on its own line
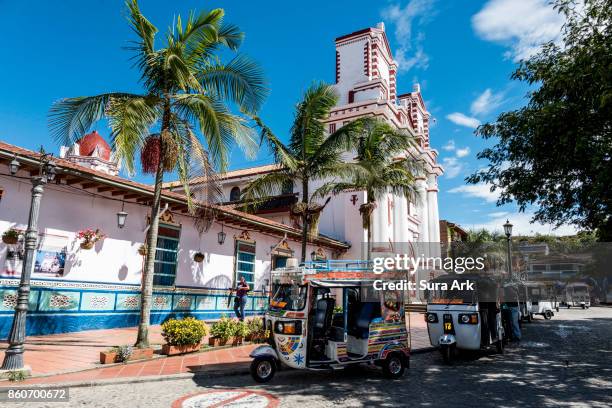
(49, 259)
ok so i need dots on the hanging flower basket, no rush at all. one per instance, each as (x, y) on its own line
(142, 250)
(198, 257)
(10, 236)
(89, 237)
(87, 245)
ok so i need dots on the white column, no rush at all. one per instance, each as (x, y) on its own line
(400, 220)
(422, 213)
(432, 214)
(380, 220)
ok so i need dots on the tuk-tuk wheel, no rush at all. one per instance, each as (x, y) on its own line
(447, 354)
(547, 315)
(263, 369)
(393, 366)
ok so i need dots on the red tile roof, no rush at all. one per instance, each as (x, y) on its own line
(250, 171)
(70, 169)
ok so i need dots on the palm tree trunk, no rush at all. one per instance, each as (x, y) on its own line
(304, 218)
(142, 341)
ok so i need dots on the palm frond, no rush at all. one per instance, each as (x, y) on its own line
(130, 119)
(282, 155)
(240, 81)
(71, 118)
(264, 187)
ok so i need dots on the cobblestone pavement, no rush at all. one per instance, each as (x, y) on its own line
(562, 362)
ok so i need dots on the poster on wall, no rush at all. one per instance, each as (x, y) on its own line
(49, 258)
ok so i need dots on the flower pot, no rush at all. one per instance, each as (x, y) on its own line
(236, 340)
(110, 357)
(169, 350)
(216, 341)
(10, 240)
(87, 244)
(199, 257)
(142, 251)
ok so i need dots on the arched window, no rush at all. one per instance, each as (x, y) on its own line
(235, 194)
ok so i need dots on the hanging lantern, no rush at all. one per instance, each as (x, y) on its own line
(121, 216)
(221, 236)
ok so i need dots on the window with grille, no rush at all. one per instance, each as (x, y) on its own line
(245, 261)
(166, 255)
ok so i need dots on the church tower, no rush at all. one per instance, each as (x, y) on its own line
(366, 83)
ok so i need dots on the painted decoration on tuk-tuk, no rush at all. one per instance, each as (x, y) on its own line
(386, 337)
(291, 348)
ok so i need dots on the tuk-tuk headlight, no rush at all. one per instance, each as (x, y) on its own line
(288, 327)
(431, 317)
(471, 318)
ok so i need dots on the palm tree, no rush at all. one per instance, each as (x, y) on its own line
(383, 165)
(185, 90)
(309, 156)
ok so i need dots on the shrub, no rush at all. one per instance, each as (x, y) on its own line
(183, 332)
(240, 329)
(123, 353)
(223, 328)
(255, 325)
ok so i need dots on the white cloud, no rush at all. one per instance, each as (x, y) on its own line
(406, 20)
(523, 25)
(452, 167)
(486, 102)
(482, 191)
(463, 120)
(521, 225)
(449, 146)
(463, 152)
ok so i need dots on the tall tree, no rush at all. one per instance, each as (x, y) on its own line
(186, 91)
(556, 151)
(309, 156)
(383, 165)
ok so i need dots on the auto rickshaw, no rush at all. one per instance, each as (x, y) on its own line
(463, 313)
(542, 299)
(577, 295)
(319, 321)
(524, 300)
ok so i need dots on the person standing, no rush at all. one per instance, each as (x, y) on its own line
(241, 298)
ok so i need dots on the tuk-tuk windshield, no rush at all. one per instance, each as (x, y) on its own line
(449, 295)
(289, 297)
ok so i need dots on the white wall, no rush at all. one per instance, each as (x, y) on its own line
(66, 210)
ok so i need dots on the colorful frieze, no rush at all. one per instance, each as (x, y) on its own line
(97, 301)
(56, 300)
(183, 302)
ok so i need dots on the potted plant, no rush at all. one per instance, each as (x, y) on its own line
(240, 331)
(142, 250)
(220, 332)
(257, 332)
(120, 354)
(198, 257)
(183, 335)
(89, 237)
(10, 236)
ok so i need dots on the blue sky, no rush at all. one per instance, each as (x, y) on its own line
(461, 52)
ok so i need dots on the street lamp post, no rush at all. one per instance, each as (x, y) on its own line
(508, 232)
(13, 356)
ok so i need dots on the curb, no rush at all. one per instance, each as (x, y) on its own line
(133, 380)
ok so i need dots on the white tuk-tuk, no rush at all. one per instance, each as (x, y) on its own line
(542, 299)
(464, 319)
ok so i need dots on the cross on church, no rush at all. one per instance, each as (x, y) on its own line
(354, 199)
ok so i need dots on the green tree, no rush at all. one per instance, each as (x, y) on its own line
(186, 91)
(381, 166)
(556, 151)
(309, 156)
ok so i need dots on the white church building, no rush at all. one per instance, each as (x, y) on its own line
(75, 288)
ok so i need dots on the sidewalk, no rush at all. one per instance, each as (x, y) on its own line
(66, 352)
(74, 357)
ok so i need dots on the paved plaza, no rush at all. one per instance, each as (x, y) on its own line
(564, 362)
